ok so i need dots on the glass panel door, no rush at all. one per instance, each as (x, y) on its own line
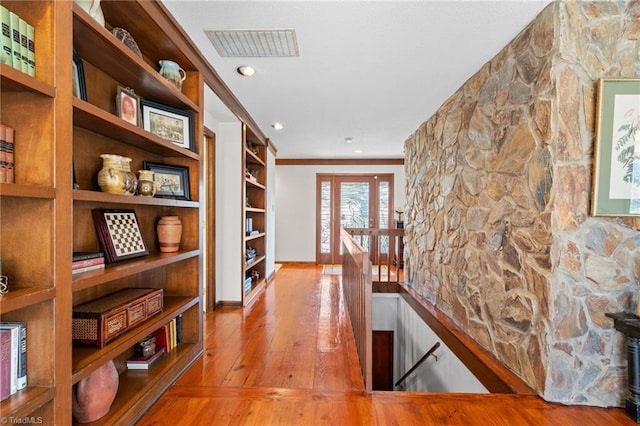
(351, 201)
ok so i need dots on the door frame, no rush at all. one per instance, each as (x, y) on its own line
(210, 219)
(335, 214)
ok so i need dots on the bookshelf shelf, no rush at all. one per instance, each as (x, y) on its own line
(253, 158)
(254, 237)
(120, 270)
(13, 80)
(253, 263)
(251, 183)
(27, 191)
(22, 297)
(93, 118)
(86, 359)
(255, 290)
(26, 401)
(103, 197)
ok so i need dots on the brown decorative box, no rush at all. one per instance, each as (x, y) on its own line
(102, 320)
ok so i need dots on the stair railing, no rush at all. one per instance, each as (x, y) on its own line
(419, 363)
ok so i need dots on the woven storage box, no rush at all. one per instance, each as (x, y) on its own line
(102, 320)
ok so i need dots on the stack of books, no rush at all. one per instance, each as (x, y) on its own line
(6, 154)
(170, 335)
(17, 42)
(145, 362)
(13, 358)
(83, 261)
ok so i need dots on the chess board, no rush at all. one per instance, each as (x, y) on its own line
(119, 234)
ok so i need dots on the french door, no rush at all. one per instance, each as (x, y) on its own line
(350, 201)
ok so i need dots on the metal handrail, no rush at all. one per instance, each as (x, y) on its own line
(417, 364)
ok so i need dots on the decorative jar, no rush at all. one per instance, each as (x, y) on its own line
(169, 231)
(146, 186)
(116, 176)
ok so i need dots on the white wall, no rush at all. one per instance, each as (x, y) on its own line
(295, 215)
(229, 250)
(412, 339)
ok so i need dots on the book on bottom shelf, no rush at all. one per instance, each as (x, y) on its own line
(17, 354)
(170, 335)
(5, 364)
(145, 362)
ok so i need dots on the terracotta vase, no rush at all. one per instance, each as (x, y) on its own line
(93, 395)
(169, 233)
(116, 176)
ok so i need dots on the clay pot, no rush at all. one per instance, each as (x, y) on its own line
(146, 186)
(93, 395)
(116, 176)
(169, 231)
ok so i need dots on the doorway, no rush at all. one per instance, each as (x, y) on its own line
(350, 201)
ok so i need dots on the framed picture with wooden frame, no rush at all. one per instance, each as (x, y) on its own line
(172, 181)
(119, 234)
(616, 163)
(128, 105)
(172, 124)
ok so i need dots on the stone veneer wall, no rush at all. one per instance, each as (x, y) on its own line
(498, 234)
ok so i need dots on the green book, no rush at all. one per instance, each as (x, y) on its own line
(6, 55)
(31, 47)
(24, 49)
(14, 25)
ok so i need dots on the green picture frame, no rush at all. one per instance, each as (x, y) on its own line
(616, 163)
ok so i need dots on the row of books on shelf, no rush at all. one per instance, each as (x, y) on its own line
(163, 340)
(86, 261)
(13, 358)
(18, 42)
(7, 164)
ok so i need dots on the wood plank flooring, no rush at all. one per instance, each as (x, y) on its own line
(290, 359)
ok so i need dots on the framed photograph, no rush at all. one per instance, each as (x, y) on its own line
(128, 105)
(78, 83)
(172, 124)
(616, 164)
(173, 181)
(119, 234)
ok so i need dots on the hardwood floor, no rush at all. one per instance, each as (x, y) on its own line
(290, 359)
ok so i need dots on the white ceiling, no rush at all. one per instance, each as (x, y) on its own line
(369, 70)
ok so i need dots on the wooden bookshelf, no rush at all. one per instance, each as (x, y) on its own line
(254, 192)
(59, 137)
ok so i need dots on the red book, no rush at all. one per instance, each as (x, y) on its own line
(161, 339)
(79, 264)
(5, 364)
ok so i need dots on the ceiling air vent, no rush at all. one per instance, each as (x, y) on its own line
(254, 43)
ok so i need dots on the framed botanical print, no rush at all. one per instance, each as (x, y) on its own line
(616, 164)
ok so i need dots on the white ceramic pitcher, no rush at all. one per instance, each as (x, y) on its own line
(172, 72)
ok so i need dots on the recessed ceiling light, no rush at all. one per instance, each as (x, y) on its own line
(348, 140)
(358, 151)
(245, 70)
(277, 126)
